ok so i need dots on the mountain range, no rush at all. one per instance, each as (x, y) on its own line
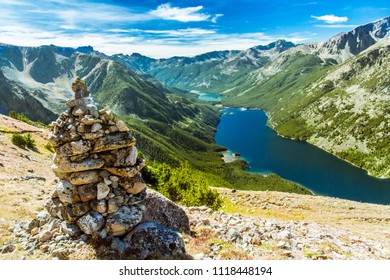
(334, 94)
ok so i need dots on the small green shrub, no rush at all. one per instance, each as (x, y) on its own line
(182, 185)
(48, 146)
(23, 141)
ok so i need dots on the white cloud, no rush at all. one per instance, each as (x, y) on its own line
(167, 12)
(214, 19)
(189, 32)
(110, 28)
(331, 19)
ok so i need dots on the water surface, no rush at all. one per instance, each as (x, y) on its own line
(245, 131)
(210, 97)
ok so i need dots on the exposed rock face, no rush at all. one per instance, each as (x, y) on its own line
(101, 192)
(160, 209)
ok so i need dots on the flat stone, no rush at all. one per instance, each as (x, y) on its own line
(64, 165)
(87, 192)
(153, 239)
(83, 178)
(67, 192)
(122, 127)
(96, 127)
(134, 185)
(74, 148)
(102, 190)
(90, 223)
(113, 142)
(124, 220)
(127, 172)
(59, 139)
(90, 120)
(92, 135)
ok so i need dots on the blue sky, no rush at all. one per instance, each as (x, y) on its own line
(166, 28)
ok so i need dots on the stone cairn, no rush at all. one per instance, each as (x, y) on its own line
(101, 191)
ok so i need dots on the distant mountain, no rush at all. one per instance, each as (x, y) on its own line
(168, 127)
(208, 72)
(348, 44)
(37, 82)
(225, 71)
(334, 94)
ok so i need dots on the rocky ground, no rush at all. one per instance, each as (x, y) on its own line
(250, 225)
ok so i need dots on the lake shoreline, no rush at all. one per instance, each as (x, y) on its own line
(271, 125)
(356, 172)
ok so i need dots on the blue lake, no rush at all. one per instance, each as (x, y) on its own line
(210, 97)
(246, 132)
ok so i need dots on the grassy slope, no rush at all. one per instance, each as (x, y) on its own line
(292, 98)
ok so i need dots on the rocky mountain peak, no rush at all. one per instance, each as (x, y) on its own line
(348, 44)
(279, 45)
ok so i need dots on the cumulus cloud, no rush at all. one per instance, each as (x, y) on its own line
(167, 12)
(331, 19)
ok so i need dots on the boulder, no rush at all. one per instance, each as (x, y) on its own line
(162, 210)
(151, 239)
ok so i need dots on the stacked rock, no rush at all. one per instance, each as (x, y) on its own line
(101, 188)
